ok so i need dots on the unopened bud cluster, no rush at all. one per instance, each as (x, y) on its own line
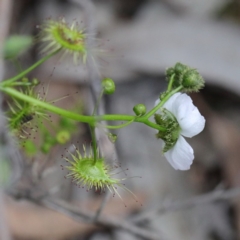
(184, 76)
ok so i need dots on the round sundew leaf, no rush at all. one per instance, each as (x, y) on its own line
(89, 172)
(15, 45)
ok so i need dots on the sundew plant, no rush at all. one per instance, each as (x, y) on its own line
(173, 116)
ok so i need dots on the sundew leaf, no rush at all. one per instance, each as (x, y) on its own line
(15, 45)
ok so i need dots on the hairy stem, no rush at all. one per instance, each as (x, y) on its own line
(151, 112)
(9, 81)
(74, 116)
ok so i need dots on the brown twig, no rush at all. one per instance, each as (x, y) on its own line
(217, 195)
(79, 215)
(95, 83)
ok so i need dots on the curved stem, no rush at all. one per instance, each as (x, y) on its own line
(8, 82)
(94, 141)
(97, 103)
(151, 112)
(171, 83)
(74, 116)
(116, 126)
(150, 124)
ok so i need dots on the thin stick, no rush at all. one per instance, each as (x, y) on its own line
(102, 206)
(217, 195)
(75, 213)
(94, 78)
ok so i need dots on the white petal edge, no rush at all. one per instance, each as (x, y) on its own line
(181, 155)
(188, 116)
(169, 103)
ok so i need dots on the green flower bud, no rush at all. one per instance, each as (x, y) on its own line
(63, 136)
(140, 109)
(169, 73)
(192, 81)
(108, 86)
(112, 137)
(184, 76)
(35, 82)
(179, 68)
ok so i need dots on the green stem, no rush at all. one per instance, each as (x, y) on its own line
(81, 118)
(170, 83)
(8, 82)
(97, 103)
(151, 112)
(150, 124)
(117, 126)
(94, 141)
(14, 93)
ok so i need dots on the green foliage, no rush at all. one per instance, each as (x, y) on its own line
(84, 171)
(15, 45)
(59, 35)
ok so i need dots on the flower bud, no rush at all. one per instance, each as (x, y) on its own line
(180, 68)
(63, 136)
(112, 137)
(184, 76)
(108, 86)
(192, 81)
(35, 82)
(140, 109)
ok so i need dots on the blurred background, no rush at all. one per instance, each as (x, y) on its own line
(138, 40)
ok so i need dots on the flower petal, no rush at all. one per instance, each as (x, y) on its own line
(170, 102)
(188, 116)
(181, 155)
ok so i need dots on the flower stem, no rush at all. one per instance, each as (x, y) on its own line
(170, 83)
(9, 81)
(94, 142)
(97, 103)
(78, 117)
(116, 126)
(151, 112)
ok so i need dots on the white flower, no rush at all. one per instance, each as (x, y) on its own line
(191, 122)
